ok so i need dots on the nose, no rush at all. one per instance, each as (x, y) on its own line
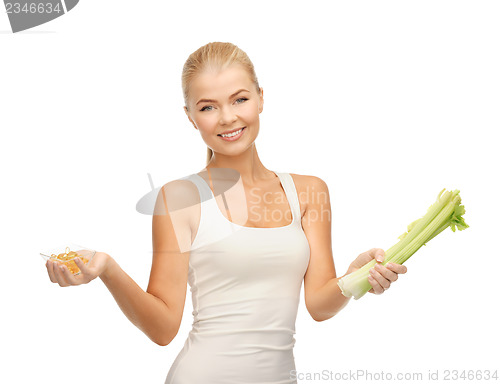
(227, 116)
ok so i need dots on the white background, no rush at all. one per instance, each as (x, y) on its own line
(387, 101)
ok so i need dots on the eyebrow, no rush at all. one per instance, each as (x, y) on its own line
(210, 101)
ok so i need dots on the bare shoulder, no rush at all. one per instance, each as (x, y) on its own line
(178, 194)
(181, 186)
(179, 199)
(305, 182)
(307, 186)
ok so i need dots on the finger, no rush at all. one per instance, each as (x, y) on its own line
(377, 254)
(381, 280)
(86, 273)
(377, 289)
(50, 270)
(68, 276)
(84, 269)
(385, 272)
(61, 280)
(397, 268)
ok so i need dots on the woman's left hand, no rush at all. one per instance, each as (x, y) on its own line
(381, 276)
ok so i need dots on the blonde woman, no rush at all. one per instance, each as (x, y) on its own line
(244, 238)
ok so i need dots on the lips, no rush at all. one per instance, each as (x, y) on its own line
(234, 137)
(231, 131)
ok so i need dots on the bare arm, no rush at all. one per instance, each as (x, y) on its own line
(146, 311)
(158, 310)
(323, 297)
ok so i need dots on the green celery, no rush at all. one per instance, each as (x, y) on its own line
(445, 212)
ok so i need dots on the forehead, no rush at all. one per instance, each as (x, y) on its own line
(210, 83)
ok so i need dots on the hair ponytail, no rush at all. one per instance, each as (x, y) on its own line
(209, 154)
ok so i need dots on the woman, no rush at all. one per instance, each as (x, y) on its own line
(245, 259)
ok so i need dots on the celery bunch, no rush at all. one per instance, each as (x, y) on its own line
(445, 212)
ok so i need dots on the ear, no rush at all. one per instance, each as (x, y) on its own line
(261, 98)
(189, 117)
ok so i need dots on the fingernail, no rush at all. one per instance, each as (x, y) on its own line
(380, 258)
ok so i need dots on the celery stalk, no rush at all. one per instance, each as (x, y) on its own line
(445, 212)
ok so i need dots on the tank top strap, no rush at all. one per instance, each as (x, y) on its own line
(212, 227)
(286, 181)
(291, 194)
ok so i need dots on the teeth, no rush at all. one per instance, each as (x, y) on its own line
(232, 134)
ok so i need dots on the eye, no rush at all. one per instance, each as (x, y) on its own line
(242, 98)
(204, 108)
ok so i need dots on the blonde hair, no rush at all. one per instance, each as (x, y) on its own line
(214, 56)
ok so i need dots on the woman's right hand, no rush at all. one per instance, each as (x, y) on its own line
(61, 275)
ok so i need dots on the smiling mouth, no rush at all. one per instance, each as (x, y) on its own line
(232, 134)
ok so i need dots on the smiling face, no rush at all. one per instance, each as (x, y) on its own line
(225, 101)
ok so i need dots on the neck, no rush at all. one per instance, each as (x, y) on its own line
(246, 163)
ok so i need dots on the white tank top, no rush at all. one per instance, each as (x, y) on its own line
(245, 285)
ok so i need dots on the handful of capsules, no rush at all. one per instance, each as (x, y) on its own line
(68, 257)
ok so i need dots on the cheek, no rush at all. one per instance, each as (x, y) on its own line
(207, 124)
(251, 114)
